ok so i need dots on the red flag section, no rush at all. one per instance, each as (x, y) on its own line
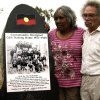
(26, 20)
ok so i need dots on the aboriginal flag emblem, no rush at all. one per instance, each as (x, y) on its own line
(27, 20)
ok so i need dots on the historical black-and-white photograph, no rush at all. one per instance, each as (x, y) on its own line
(26, 55)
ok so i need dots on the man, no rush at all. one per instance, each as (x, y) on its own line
(90, 87)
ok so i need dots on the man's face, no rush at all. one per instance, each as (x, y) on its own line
(91, 18)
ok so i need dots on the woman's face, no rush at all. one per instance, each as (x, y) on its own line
(61, 21)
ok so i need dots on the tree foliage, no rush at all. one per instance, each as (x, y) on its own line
(45, 13)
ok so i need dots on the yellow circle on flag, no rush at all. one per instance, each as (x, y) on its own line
(26, 19)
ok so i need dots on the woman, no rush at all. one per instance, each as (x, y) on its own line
(66, 41)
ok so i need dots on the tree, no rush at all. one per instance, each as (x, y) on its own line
(47, 14)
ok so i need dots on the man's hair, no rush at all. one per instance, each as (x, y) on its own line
(69, 14)
(95, 4)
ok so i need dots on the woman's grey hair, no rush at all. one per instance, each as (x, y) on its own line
(69, 14)
(95, 4)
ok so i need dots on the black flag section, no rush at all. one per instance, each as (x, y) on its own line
(25, 20)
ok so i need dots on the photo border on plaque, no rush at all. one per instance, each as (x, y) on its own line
(27, 62)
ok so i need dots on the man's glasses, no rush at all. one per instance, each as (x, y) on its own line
(89, 15)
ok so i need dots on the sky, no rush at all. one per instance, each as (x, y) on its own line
(6, 6)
